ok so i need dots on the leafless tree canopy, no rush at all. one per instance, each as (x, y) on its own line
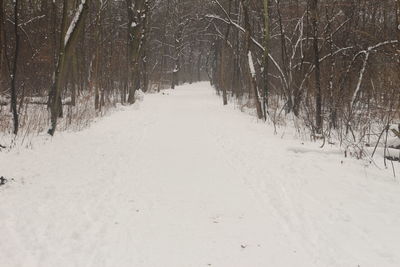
(333, 64)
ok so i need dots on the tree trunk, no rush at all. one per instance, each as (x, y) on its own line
(146, 30)
(318, 94)
(67, 43)
(236, 62)
(136, 15)
(96, 71)
(14, 70)
(265, 57)
(75, 78)
(178, 43)
(2, 46)
(199, 66)
(224, 51)
(222, 74)
(250, 69)
(398, 24)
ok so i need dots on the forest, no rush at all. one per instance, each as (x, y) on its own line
(199, 133)
(331, 67)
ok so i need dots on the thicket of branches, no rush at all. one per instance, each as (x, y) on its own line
(333, 64)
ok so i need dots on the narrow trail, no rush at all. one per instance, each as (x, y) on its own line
(182, 181)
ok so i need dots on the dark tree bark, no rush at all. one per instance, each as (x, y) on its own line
(222, 73)
(199, 66)
(223, 64)
(68, 41)
(179, 25)
(2, 46)
(398, 23)
(136, 16)
(318, 93)
(15, 69)
(250, 74)
(265, 56)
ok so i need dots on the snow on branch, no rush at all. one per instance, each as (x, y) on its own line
(367, 53)
(74, 22)
(240, 28)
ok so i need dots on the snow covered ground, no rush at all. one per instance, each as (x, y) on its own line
(183, 181)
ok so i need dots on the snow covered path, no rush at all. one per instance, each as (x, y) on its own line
(183, 181)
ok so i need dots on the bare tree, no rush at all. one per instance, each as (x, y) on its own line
(318, 93)
(15, 68)
(136, 26)
(265, 56)
(67, 43)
